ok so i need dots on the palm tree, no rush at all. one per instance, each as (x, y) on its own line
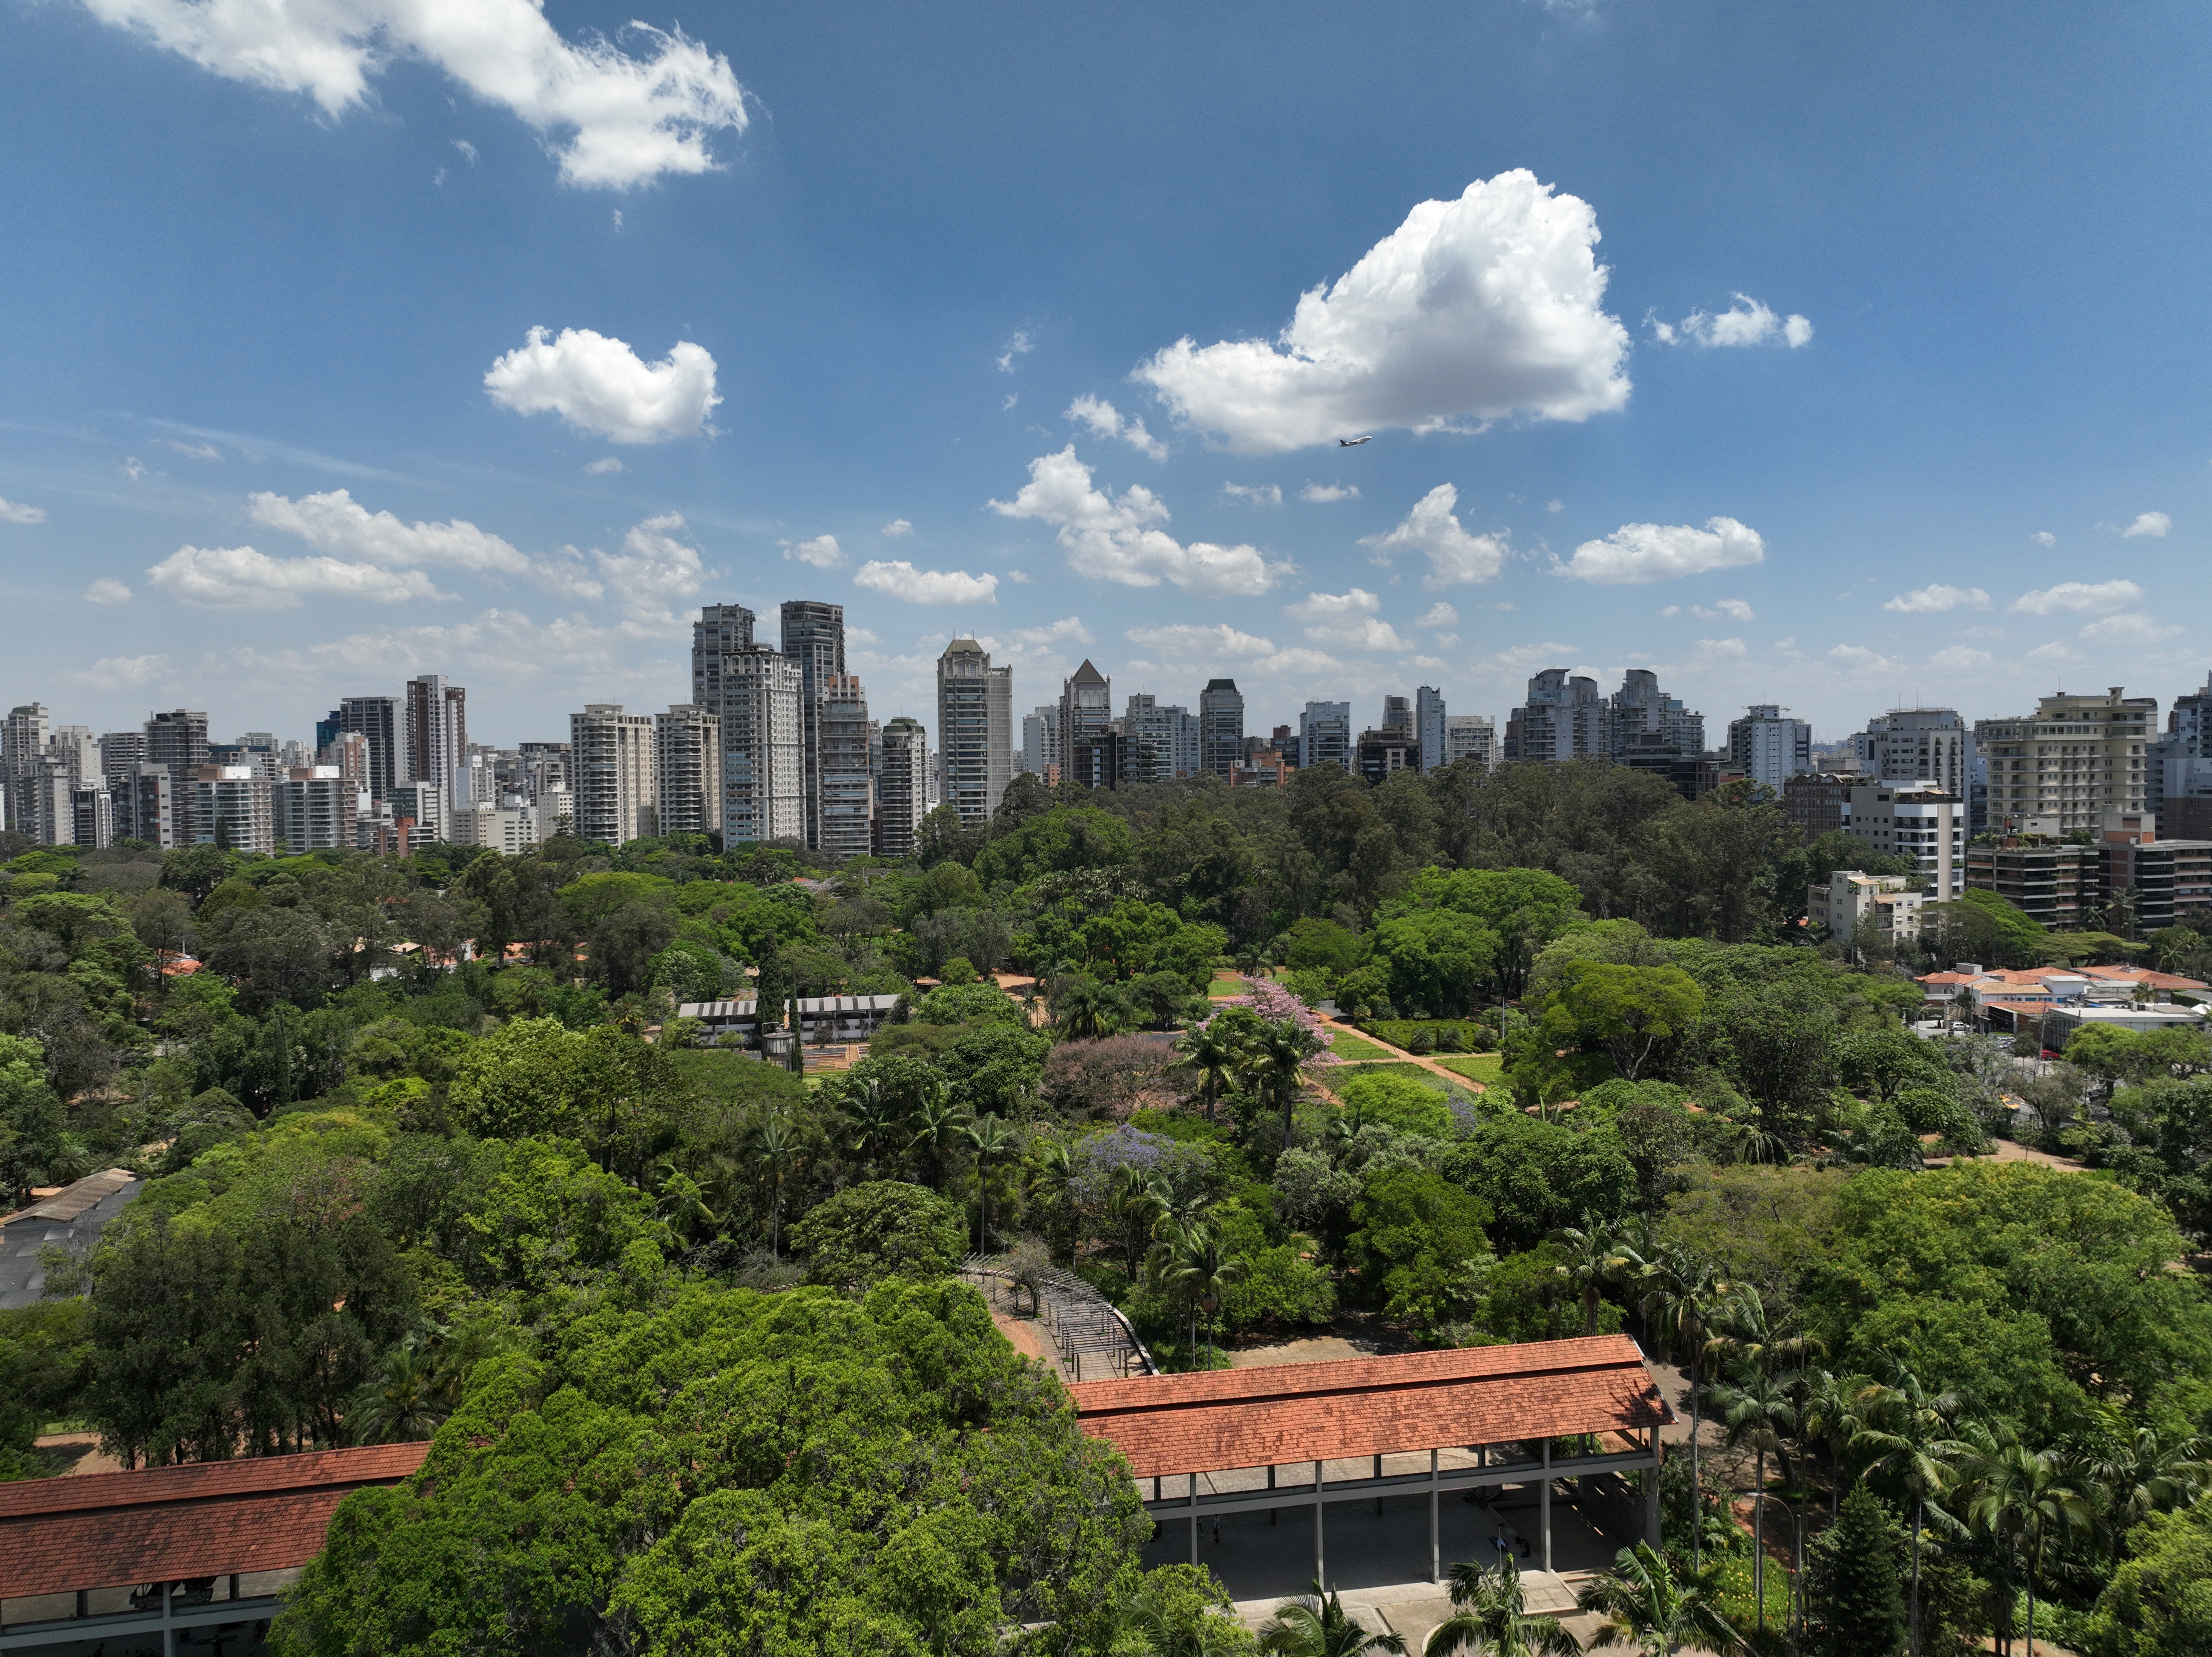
(1685, 1294)
(1838, 1412)
(2021, 1499)
(1645, 1604)
(1134, 1205)
(936, 1125)
(1085, 1009)
(1487, 1619)
(1315, 1626)
(2138, 1472)
(1155, 1614)
(1276, 1057)
(872, 1116)
(987, 1138)
(1910, 1435)
(776, 1141)
(1209, 1054)
(1194, 1267)
(1759, 1409)
(404, 1405)
(1589, 1260)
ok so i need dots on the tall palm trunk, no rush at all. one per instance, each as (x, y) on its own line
(1696, 1495)
(1912, 1627)
(1758, 1539)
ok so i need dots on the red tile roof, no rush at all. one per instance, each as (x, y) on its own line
(1291, 1412)
(168, 1524)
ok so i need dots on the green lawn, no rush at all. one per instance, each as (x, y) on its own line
(1228, 987)
(1352, 1049)
(1484, 1067)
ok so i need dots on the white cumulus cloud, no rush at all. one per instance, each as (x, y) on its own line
(107, 590)
(1067, 630)
(1718, 647)
(1962, 659)
(1859, 660)
(1183, 639)
(1454, 557)
(1483, 306)
(600, 385)
(120, 673)
(1117, 540)
(2151, 526)
(1745, 322)
(605, 464)
(240, 578)
(822, 552)
(1440, 614)
(15, 512)
(897, 530)
(1638, 553)
(1936, 598)
(1323, 493)
(1105, 420)
(655, 568)
(1020, 345)
(897, 579)
(1254, 494)
(2130, 628)
(1346, 619)
(335, 523)
(2078, 598)
(611, 119)
(2043, 538)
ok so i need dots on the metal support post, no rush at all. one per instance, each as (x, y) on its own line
(1435, 1558)
(1544, 1505)
(1318, 1576)
(1379, 1500)
(1193, 1519)
(168, 1634)
(1651, 1491)
(1271, 1486)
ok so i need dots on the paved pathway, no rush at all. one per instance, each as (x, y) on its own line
(1399, 1055)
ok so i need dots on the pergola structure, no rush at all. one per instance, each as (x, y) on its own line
(159, 1543)
(1500, 1405)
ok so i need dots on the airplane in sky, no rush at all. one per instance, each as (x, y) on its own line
(1354, 442)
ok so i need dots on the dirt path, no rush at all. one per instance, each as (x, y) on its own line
(1400, 1056)
(1026, 1337)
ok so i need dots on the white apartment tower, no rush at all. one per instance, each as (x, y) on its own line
(1915, 744)
(313, 808)
(1471, 736)
(1770, 748)
(813, 637)
(438, 734)
(611, 769)
(763, 760)
(688, 770)
(1325, 735)
(1429, 726)
(975, 729)
(720, 629)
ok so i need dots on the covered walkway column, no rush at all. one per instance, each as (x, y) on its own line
(1436, 1562)
(1544, 1505)
(1318, 1576)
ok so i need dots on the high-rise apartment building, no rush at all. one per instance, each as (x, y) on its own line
(902, 786)
(1645, 717)
(1769, 749)
(22, 745)
(77, 747)
(121, 753)
(145, 806)
(1916, 744)
(1158, 744)
(1926, 824)
(848, 790)
(438, 734)
(42, 800)
(611, 761)
(975, 729)
(1429, 725)
(232, 808)
(313, 808)
(177, 742)
(1220, 728)
(2076, 760)
(1325, 735)
(1085, 708)
(720, 629)
(688, 770)
(1563, 718)
(1471, 736)
(2177, 779)
(381, 721)
(763, 759)
(92, 815)
(422, 806)
(1397, 714)
(813, 637)
(1040, 750)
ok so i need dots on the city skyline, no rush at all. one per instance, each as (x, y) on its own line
(605, 373)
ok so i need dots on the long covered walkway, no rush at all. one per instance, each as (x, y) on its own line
(1421, 1430)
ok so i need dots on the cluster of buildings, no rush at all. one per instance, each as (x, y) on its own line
(2086, 811)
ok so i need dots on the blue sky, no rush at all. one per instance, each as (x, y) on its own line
(1835, 359)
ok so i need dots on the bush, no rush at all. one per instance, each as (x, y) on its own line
(1425, 1035)
(1411, 1106)
(970, 1004)
(1106, 1077)
(1280, 1288)
(883, 1228)
(1420, 1247)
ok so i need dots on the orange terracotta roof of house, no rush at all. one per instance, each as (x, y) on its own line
(1291, 1412)
(171, 1524)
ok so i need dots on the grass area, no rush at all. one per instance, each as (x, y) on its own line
(1228, 987)
(1352, 1049)
(1484, 1067)
(1421, 1073)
